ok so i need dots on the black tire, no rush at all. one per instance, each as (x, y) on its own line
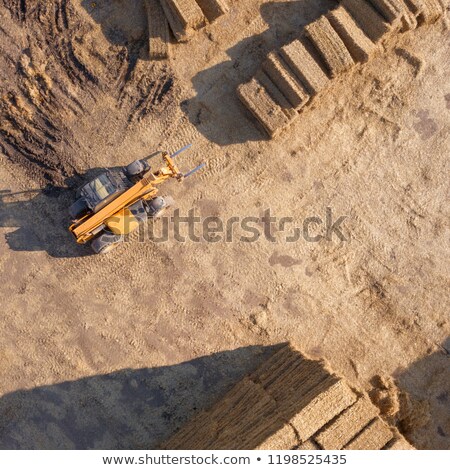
(157, 206)
(78, 209)
(105, 243)
(135, 168)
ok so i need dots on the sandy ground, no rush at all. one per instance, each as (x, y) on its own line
(118, 351)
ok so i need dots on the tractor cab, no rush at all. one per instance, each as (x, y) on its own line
(105, 188)
(99, 192)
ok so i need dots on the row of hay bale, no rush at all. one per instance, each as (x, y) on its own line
(290, 78)
(290, 402)
(181, 17)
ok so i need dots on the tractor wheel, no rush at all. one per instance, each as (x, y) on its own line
(158, 206)
(135, 168)
(78, 209)
(105, 243)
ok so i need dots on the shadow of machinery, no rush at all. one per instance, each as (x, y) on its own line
(128, 409)
(40, 218)
(426, 422)
(216, 110)
(124, 23)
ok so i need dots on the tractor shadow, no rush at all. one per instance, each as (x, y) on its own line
(127, 409)
(216, 110)
(39, 219)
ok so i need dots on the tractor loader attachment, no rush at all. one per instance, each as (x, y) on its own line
(115, 203)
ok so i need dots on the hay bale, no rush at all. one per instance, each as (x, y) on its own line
(433, 11)
(347, 425)
(305, 67)
(399, 443)
(193, 435)
(158, 30)
(251, 415)
(213, 9)
(330, 46)
(278, 407)
(270, 370)
(292, 89)
(320, 405)
(184, 17)
(276, 94)
(358, 44)
(426, 11)
(176, 24)
(284, 439)
(254, 96)
(408, 19)
(291, 386)
(290, 371)
(374, 437)
(415, 6)
(308, 445)
(189, 12)
(368, 19)
(390, 10)
(246, 411)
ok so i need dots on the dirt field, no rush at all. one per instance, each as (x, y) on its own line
(119, 351)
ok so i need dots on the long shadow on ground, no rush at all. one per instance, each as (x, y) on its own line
(140, 408)
(427, 381)
(128, 409)
(216, 110)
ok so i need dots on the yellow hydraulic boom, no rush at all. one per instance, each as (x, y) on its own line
(88, 226)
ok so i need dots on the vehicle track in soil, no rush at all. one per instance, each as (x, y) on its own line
(57, 71)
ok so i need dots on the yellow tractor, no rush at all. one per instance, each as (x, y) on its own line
(115, 203)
